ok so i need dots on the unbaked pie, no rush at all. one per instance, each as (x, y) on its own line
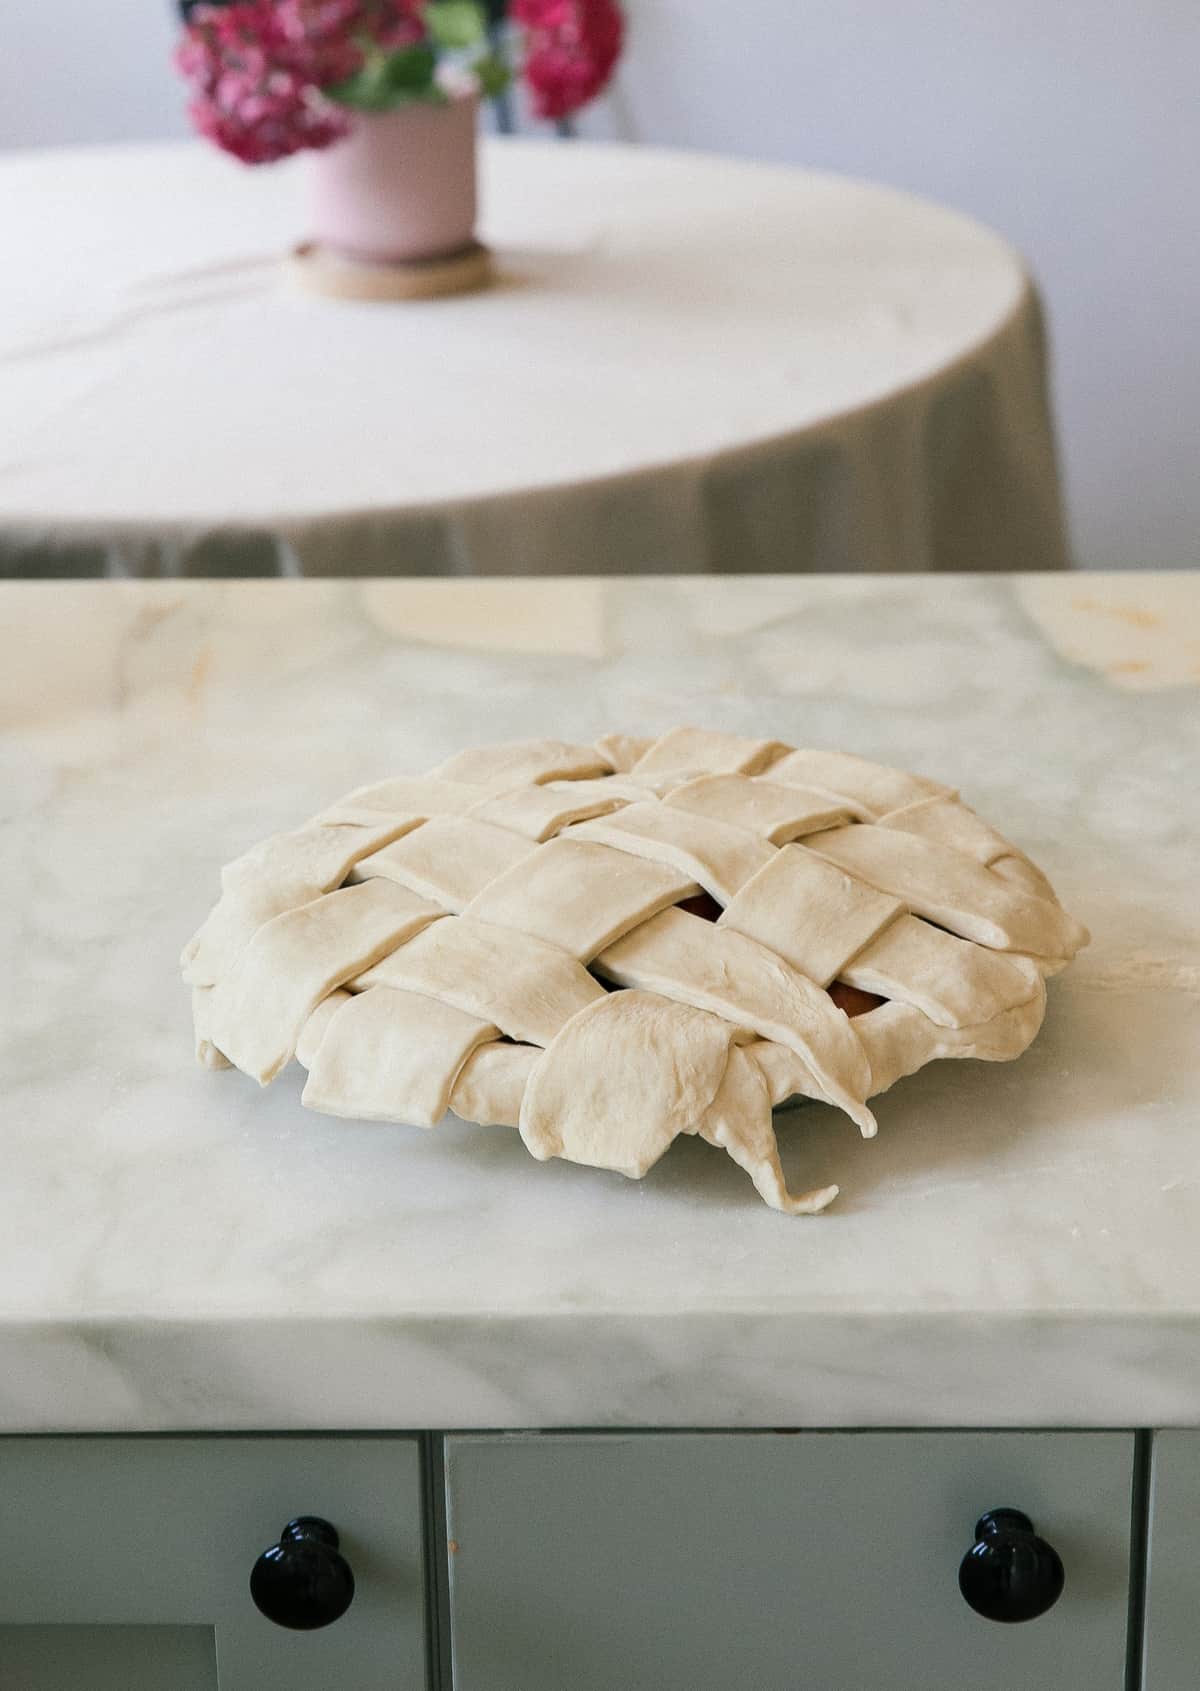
(605, 946)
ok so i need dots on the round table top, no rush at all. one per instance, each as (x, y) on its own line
(653, 307)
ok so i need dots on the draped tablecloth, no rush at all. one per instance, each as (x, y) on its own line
(688, 364)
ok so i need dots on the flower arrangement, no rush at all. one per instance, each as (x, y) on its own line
(272, 77)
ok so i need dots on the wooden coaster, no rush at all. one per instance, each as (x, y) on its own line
(320, 270)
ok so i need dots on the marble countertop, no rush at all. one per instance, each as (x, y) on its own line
(178, 1249)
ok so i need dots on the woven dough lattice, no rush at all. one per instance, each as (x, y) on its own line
(605, 946)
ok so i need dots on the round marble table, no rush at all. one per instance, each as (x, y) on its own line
(688, 364)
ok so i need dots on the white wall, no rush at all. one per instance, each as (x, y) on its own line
(87, 70)
(1073, 127)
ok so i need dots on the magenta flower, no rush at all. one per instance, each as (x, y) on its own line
(254, 91)
(329, 34)
(320, 38)
(571, 49)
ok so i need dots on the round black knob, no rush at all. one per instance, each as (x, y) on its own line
(302, 1581)
(1009, 1573)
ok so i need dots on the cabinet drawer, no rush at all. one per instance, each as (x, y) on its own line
(1173, 1565)
(702, 1562)
(128, 1562)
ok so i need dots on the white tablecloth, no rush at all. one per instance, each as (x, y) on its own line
(689, 364)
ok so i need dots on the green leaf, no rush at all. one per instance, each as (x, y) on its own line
(454, 24)
(410, 70)
(361, 91)
(368, 89)
(390, 79)
(494, 75)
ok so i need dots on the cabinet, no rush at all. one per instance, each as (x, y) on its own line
(1172, 1650)
(127, 1562)
(700, 1562)
(650, 1561)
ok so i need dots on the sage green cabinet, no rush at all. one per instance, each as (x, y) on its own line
(776, 1562)
(127, 1561)
(587, 1562)
(1172, 1651)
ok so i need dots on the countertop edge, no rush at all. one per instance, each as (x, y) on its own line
(1080, 1370)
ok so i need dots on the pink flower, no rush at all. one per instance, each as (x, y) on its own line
(261, 126)
(328, 35)
(254, 80)
(320, 38)
(571, 49)
(397, 23)
(258, 67)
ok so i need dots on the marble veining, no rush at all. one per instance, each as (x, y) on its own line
(1021, 1244)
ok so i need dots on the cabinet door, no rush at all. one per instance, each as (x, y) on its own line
(776, 1562)
(1172, 1654)
(127, 1563)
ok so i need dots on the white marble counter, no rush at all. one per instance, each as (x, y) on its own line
(178, 1249)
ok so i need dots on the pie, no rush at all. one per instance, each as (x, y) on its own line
(608, 945)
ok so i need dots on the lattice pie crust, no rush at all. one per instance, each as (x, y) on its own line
(455, 941)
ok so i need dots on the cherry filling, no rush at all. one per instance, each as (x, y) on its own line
(702, 904)
(852, 1001)
(847, 998)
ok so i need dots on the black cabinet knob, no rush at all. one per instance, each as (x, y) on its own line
(1009, 1573)
(302, 1581)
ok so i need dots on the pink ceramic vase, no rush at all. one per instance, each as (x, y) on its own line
(401, 186)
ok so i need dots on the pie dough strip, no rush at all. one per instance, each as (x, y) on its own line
(869, 789)
(786, 1073)
(392, 1056)
(207, 1054)
(899, 1039)
(527, 988)
(519, 763)
(448, 860)
(739, 1121)
(951, 822)
(257, 1012)
(492, 1082)
(717, 855)
(282, 873)
(622, 751)
(956, 984)
(579, 895)
(694, 751)
(810, 912)
(779, 814)
(621, 1080)
(1018, 870)
(315, 1028)
(953, 890)
(415, 797)
(541, 812)
(712, 968)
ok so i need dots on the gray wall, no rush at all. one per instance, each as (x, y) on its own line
(1074, 128)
